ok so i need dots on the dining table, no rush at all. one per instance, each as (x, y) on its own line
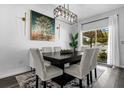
(62, 60)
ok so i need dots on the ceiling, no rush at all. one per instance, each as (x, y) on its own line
(88, 10)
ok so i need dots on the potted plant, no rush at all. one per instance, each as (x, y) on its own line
(74, 41)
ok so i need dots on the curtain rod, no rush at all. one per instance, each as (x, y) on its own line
(97, 20)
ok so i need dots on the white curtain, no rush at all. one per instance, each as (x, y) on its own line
(113, 41)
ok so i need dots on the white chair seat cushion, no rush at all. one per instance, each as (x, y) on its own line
(52, 71)
(47, 63)
(74, 70)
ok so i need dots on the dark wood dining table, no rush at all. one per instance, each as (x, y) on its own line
(60, 60)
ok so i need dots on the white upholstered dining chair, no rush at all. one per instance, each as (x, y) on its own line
(46, 50)
(94, 63)
(57, 49)
(43, 72)
(82, 48)
(81, 70)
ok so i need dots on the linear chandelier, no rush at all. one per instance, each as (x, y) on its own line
(64, 13)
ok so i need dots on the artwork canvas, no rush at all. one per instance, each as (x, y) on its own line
(42, 27)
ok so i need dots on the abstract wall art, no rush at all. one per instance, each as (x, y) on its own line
(42, 27)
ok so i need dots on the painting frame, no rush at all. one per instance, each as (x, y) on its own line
(42, 27)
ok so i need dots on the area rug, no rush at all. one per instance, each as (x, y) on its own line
(28, 80)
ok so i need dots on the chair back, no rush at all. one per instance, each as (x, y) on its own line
(94, 59)
(83, 48)
(38, 63)
(85, 61)
(46, 49)
(57, 49)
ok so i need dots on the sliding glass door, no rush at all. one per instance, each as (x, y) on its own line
(97, 38)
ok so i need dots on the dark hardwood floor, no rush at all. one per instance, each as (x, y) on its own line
(9, 82)
(111, 78)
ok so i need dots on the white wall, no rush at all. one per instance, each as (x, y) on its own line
(120, 12)
(14, 43)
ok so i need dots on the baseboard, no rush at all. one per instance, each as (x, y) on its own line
(14, 72)
(108, 65)
(120, 66)
(104, 64)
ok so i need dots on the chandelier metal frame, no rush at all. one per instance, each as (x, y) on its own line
(64, 13)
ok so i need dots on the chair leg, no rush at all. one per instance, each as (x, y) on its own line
(95, 73)
(80, 83)
(88, 79)
(44, 84)
(91, 80)
(61, 86)
(36, 81)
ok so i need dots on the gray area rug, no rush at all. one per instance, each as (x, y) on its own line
(28, 80)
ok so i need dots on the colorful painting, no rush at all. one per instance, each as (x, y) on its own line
(42, 27)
